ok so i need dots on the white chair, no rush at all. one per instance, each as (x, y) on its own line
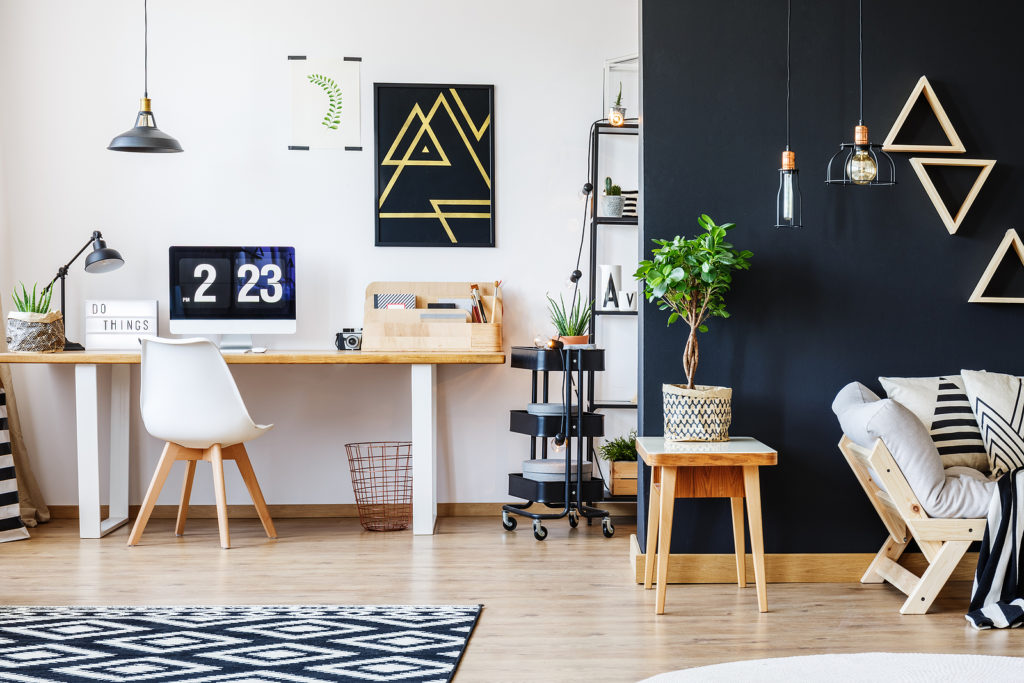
(190, 400)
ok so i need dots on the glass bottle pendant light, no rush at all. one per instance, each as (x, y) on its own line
(145, 136)
(788, 204)
(863, 162)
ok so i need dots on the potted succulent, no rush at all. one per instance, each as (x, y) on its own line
(617, 114)
(571, 322)
(32, 327)
(621, 456)
(689, 278)
(611, 202)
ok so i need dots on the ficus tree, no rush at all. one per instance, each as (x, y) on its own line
(690, 278)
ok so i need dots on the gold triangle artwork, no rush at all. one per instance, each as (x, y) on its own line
(951, 222)
(978, 297)
(923, 86)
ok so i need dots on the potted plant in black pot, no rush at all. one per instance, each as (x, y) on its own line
(689, 278)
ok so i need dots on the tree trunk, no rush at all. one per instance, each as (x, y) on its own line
(691, 355)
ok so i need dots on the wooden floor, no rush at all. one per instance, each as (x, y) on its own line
(561, 610)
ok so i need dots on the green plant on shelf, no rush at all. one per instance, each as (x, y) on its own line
(611, 190)
(620, 449)
(31, 303)
(572, 321)
(618, 100)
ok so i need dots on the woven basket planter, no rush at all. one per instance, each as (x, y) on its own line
(700, 414)
(35, 332)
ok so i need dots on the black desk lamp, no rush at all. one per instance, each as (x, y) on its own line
(103, 259)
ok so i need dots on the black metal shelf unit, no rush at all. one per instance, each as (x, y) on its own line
(574, 495)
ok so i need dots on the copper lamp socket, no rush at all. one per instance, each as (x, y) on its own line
(860, 135)
(145, 104)
(788, 160)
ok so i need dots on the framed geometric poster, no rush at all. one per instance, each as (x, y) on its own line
(434, 165)
(325, 103)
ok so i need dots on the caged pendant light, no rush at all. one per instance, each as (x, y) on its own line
(145, 136)
(788, 205)
(863, 162)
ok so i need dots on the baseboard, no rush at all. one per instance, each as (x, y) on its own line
(305, 511)
(785, 567)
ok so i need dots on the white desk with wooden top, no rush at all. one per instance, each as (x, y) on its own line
(91, 525)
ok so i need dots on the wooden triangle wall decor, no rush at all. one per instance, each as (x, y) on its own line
(923, 86)
(951, 222)
(978, 297)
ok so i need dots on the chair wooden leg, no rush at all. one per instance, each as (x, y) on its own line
(217, 461)
(891, 550)
(186, 494)
(155, 486)
(653, 511)
(739, 542)
(668, 504)
(752, 488)
(249, 477)
(934, 578)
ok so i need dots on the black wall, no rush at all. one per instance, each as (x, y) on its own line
(873, 284)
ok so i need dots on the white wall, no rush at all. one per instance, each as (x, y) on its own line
(70, 79)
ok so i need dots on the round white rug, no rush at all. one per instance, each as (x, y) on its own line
(868, 666)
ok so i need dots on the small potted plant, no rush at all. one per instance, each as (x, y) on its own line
(571, 322)
(611, 202)
(689, 278)
(621, 455)
(32, 327)
(617, 113)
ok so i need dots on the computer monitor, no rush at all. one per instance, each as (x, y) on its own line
(232, 291)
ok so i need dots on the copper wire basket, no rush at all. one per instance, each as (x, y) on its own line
(382, 482)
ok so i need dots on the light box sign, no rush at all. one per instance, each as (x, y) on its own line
(117, 325)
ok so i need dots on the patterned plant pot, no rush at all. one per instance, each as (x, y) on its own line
(700, 414)
(35, 332)
(611, 206)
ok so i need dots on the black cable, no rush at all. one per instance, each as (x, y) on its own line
(588, 199)
(789, 12)
(860, 53)
(145, 61)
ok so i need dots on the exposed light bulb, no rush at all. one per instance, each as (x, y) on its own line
(861, 168)
(555, 447)
(787, 197)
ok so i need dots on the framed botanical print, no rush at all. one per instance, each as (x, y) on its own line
(434, 165)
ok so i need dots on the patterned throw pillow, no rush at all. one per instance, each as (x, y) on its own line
(998, 403)
(941, 404)
(11, 526)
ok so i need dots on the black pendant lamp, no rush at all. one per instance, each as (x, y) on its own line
(863, 162)
(145, 136)
(788, 205)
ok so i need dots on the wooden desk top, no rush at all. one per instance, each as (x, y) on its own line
(739, 450)
(274, 357)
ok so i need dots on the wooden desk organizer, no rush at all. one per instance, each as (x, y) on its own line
(403, 330)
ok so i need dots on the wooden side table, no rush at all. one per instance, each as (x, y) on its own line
(702, 469)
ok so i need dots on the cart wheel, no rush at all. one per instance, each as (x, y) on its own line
(574, 519)
(607, 528)
(508, 522)
(540, 532)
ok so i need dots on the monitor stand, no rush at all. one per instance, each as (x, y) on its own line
(236, 343)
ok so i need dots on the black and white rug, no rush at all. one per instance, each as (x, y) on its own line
(251, 644)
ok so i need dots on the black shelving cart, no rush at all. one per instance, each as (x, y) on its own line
(574, 495)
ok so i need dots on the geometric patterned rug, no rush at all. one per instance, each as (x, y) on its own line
(241, 644)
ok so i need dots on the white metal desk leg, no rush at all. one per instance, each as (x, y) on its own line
(87, 417)
(120, 420)
(424, 448)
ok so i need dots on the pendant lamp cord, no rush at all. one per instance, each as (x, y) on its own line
(789, 13)
(145, 58)
(860, 53)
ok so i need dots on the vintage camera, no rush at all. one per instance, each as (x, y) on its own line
(349, 339)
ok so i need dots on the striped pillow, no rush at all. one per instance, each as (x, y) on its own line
(941, 404)
(11, 526)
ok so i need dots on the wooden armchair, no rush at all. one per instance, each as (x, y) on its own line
(943, 541)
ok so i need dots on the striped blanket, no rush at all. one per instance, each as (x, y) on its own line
(11, 526)
(998, 597)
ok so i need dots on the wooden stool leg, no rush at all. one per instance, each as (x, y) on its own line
(668, 503)
(653, 512)
(249, 477)
(739, 541)
(155, 486)
(935, 577)
(891, 549)
(217, 460)
(752, 486)
(186, 494)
